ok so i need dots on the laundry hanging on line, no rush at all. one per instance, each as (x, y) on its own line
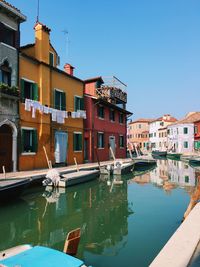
(58, 116)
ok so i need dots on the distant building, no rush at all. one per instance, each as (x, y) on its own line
(197, 135)
(10, 19)
(138, 134)
(105, 103)
(157, 132)
(181, 134)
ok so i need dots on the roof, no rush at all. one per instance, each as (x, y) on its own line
(190, 118)
(142, 120)
(44, 27)
(13, 9)
(26, 46)
(166, 118)
(94, 79)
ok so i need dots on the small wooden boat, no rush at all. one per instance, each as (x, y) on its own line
(144, 163)
(158, 153)
(175, 156)
(121, 168)
(194, 161)
(10, 189)
(75, 178)
(37, 256)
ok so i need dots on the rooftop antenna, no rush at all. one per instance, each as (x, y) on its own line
(66, 33)
(38, 10)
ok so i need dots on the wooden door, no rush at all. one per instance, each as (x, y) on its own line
(6, 148)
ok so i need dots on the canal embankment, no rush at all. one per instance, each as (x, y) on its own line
(180, 248)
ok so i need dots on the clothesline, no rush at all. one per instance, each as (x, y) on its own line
(56, 115)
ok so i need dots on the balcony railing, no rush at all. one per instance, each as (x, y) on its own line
(9, 90)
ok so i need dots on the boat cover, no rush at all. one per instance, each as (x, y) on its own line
(40, 256)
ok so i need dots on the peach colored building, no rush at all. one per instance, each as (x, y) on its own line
(138, 134)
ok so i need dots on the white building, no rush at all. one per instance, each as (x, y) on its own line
(181, 134)
(158, 132)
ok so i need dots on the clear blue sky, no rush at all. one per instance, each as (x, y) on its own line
(151, 45)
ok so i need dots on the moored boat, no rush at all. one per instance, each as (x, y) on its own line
(194, 161)
(144, 163)
(123, 168)
(37, 256)
(10, 189)
(175, 156)
(159, 153)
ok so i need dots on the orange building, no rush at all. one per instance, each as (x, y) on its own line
(51, 106)
(138, 134)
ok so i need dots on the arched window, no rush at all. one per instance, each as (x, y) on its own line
(6, 73)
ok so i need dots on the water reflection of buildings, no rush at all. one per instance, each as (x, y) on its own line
(175, 172)
(101, 214)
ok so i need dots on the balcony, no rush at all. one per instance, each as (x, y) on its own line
(112, 90)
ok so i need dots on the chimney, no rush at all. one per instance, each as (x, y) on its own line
(69, 69)
(42, 42)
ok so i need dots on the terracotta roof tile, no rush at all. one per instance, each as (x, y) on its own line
(8, 4)
(190, 118)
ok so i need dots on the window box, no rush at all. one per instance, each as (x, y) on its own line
(9, 90)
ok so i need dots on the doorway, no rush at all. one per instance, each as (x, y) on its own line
(6, 148)
(61, 141)
(112, 145)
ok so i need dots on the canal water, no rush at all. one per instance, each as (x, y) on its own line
(122, 224)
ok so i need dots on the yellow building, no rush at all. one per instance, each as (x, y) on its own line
(51, 106)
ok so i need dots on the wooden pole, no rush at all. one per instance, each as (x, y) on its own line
(4, 171)
(76, 164)
(45, 152)
(112, 153)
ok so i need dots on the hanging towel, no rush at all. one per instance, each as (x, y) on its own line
(27, 105)
(66, 114)
(46, 110)
(73, 115)
(54, 114)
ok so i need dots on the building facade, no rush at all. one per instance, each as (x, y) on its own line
(181, 134)
(10, 19)
(138, 134)
(51, 106)
(105, 126)
(157, 132)
(197, 135)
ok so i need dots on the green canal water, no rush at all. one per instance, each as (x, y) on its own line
(122, 225)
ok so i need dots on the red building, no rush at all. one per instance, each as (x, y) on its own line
(197, 134)
(105, 126)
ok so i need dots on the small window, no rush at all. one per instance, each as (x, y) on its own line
(185, 144)
(185, 130)
(101, 112)
(77, 141)
(59, 100)
(112, 115)
(29, 90)
(186, 179)
(100, 140)
(6, 73)
(51, 59)
(78, 103)
(121, 118)
(121, 141)
(8, 36)
(195, 129)
(28, 140)
(154, 134)
(139, 126)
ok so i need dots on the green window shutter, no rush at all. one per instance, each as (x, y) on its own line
(82, 103)
(35, 91)
(76, 103)
(22, 89)
(22, 140)
(35, 140)
(196, 145)
(74, 141)
(56, 100)
(63, 101)
(80, 141)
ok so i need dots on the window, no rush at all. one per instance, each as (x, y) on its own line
(100, 112)
(121, 118)
(7, 35)
(186, 179)
(139, 126)
(168, 131)
(161, 123)
(51, 59)
(28, 140)
(29, 90)
(112, 115)
(6, 73)
(100, 140)
(195, 129)
(154, 134)
(185, 130)
(59, 100)
(121, 141)
(78, 103)
(77, 141)
(185, 144)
